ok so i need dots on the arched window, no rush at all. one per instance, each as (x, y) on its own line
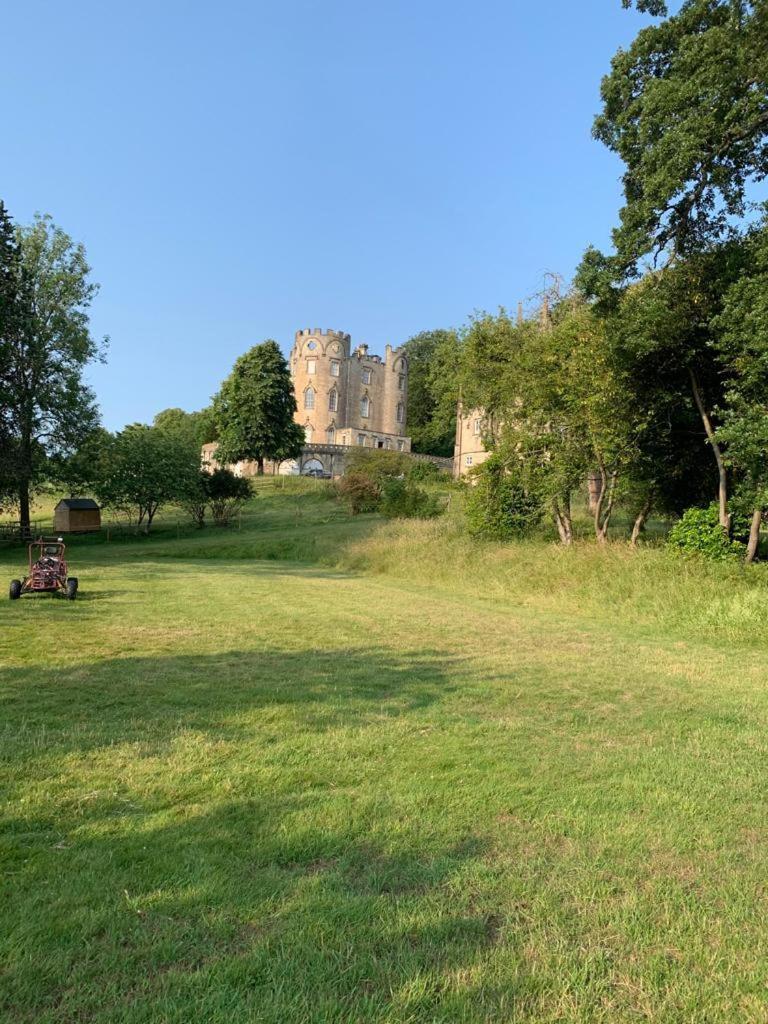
(307, 433)
(331, 435)
(309, 398)
(400, 412)
(365, 406)
(333, 400)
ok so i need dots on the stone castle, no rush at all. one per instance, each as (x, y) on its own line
(345, 398)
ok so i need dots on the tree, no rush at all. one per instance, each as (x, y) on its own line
(686, 109)
(226, 494)
(433, 390)
(144, 468)
(254, 409)
(10, 281)
(78, 470)
(742, 343)
(196, 428)
(46, 345)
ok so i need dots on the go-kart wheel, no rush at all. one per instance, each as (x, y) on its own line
(14, 592)
(71, 588)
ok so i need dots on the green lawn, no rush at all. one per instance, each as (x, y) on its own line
(319, 770)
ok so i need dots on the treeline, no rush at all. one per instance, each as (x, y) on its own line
(651, 375)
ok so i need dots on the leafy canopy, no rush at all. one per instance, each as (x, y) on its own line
(686, 109)
(254, 409)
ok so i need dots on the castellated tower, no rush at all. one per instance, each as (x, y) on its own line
(346, 396)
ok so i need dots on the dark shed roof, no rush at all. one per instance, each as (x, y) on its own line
(78, 503)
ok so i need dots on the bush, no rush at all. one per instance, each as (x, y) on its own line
(359, 491)
(401, 501)
(497, 506)
(226, 494)
(698, 531)
(378, 464)
(422, 472)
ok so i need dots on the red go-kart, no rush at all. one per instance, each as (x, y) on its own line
(47, 572)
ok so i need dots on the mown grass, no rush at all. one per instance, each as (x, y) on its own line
(405, 779)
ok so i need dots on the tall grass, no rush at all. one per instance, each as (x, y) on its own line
(648, 590)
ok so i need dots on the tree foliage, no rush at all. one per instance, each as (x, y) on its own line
(144, 468)
(196, 428)
(685, 106)
(254, 409)
(433, 390)
(46, 409)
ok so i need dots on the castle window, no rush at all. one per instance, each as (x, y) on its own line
(335, 367)
(365, 406)
(307, 433)
(333, 400)
(366, 380)
(387, 444)
(468, 460)
(400, 412)
(401, 446)
(401, 382)
(312, 346)
(311, 366)
(309, 399)
(478, 427)
(331, 435)
(361, 440)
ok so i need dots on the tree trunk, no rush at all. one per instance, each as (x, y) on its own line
(25, 526)
(563, 522)
(639, 524)
(722, 490)
(754, 535)
(260, 466)
(594, 483)
(603, 509)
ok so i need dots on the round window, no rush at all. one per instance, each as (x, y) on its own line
(312, 346)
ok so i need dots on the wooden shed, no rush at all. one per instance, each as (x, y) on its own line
(76, 515)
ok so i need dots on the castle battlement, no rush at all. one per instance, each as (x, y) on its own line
(317, 332)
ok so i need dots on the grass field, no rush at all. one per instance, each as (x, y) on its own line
(325, 769)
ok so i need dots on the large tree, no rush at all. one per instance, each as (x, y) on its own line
(254, 409)
(46, 345)
(143, 468)
(433, 390)
(196, 428)
(686, 109)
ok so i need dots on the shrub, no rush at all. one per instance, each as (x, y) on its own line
(399, 500)
(698, 531)
(359, 491)
(226, 495)
(421, 472)
(497, 506)
(378, 464)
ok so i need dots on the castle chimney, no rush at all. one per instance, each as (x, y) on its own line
(519, 314)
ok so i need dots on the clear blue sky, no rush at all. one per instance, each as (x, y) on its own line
(241, 169)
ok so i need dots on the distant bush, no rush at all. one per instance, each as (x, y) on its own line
(421, 472)
(360, 492)
(226, 495)
(400, 500)
(497, 506)
(378, 464)
(698, 531)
